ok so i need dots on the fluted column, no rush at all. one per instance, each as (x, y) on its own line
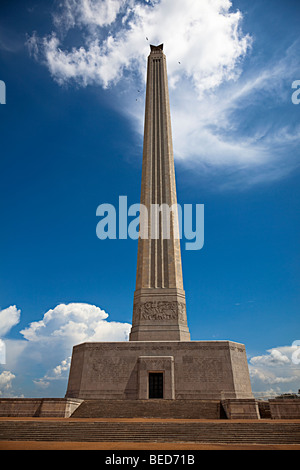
(159, 311)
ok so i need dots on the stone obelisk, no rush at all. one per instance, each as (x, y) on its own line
(159, 310)
(159, 361)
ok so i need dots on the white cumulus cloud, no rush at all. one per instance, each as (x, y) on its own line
(6, 378)
(9, 317)
(43, 356)
(274, 358)
(75, 323)
(277, 368)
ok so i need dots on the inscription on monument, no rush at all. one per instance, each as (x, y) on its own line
(202, 370)
(108, 370)
(160, 310)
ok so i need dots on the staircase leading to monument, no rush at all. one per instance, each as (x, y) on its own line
(187, 409)
(226, 432)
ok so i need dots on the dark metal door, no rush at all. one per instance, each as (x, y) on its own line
(156, 385)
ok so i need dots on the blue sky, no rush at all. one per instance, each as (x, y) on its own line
(71, 139)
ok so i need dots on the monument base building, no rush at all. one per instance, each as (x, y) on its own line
(141, 370)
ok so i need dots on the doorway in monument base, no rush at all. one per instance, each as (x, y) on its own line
(156, 377)
(156, 385)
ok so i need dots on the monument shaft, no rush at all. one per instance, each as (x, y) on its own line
(160, 361)
(159, 311)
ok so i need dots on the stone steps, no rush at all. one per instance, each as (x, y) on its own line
(181, 409)
(106, 431)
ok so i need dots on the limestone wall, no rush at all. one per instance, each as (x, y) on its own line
(38, 407)
(194, 370)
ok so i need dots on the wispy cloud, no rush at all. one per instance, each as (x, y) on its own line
(224, 117)
(203, 40)
(10, 41)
